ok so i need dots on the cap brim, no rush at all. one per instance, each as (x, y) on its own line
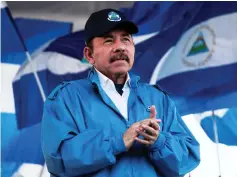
(128, 26)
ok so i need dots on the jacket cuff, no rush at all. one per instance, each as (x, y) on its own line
(118, 145)
(159, 143)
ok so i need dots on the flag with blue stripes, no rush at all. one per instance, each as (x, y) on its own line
(195, 59)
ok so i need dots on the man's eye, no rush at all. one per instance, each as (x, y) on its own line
(108, 41)
(126, 39)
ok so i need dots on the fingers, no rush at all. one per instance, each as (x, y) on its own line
(146, 142)
(155, 124)
(148, 121)
(149, 130)
(149, 133)
(147, 136)
(153, 112)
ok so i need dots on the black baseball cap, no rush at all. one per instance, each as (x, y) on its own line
(103, 21)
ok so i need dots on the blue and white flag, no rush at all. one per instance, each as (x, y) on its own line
(22, 34)
(12, 53)
(208, 44)
(150, 52)
(58, 61)
(20, 147)
(194, 60)
(17, 37)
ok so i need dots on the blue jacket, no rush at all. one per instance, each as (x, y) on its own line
(82, 133)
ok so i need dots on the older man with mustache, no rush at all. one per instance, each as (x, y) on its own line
(111, 124)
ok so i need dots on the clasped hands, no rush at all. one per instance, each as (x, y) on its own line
(148, 128)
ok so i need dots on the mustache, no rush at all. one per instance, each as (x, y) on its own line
(119, 56)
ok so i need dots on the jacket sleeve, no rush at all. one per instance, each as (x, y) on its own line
(69, 151)
(176, 151)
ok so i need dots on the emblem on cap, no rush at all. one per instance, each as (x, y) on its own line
(113, 16)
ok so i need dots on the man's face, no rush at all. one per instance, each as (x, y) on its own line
(113, 54)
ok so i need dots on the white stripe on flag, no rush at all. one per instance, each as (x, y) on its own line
(142, 38)
(7, 99)
(159, 65)
(55, 62)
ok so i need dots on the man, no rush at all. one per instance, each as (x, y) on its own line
(110, 124)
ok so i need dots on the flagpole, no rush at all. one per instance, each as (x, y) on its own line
(32, 66)
(216, 140)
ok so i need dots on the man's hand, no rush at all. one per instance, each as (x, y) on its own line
(150, 131)
(131, 134)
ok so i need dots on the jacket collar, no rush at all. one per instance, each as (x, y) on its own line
(93, 77)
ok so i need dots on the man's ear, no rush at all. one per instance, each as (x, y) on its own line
(88, 54)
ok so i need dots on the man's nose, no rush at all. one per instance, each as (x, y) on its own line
(119, 47)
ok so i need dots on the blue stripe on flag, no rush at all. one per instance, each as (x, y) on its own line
(70, 45)
(8, 128)
(25, 147)
(210, 81)
(36, 32)
(13, 50)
